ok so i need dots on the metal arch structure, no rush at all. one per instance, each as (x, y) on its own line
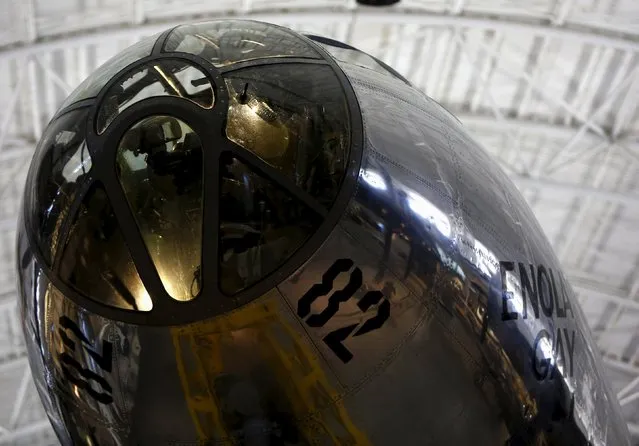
(549, 87)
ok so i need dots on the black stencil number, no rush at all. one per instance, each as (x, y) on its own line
(334, 340)
(84, 377)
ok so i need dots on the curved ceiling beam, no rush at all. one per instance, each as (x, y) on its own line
(529, 127)
(553, 186)
(313, 16)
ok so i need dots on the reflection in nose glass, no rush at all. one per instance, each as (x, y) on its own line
(297, 126)
(96, 260)
(226, 43)
(166, 77)
(159, 163)
(260, 225)
(253, 124)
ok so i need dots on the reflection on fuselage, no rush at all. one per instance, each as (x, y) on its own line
(462, 276)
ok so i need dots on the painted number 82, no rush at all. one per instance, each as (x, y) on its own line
(335, 338)
(83, 377)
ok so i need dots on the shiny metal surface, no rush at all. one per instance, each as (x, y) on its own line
(446, 222)
(435, 312)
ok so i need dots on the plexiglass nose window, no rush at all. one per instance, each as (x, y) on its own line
(62, 162)
(228, 42)
(159, 165)
(92, 85)
(96, 260)
(163, 77)
(294, 117)
(261, 225)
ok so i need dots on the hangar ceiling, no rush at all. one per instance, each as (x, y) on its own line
(549, 87)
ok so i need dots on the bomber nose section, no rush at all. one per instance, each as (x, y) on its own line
(236, 234)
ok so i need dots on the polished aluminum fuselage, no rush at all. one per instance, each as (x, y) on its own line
(479, 338)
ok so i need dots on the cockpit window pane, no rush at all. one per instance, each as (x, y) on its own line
(164, 77)
(228, 42)
(294, 117)
(96, 260)
(261, 225)
(92, 85)
(159, 165)
(62, 163)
